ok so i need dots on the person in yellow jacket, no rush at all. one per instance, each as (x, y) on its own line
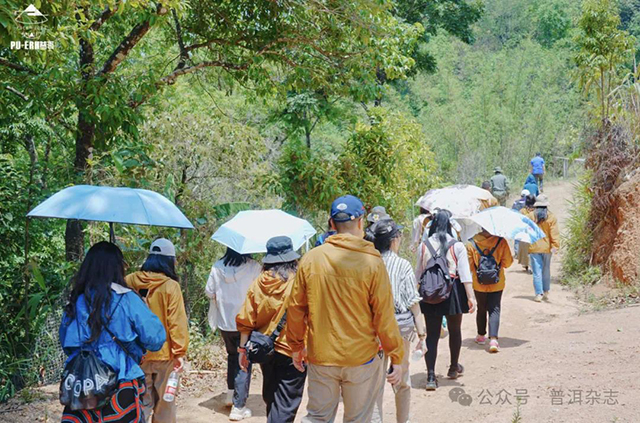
(541, 252)
(342, 302)
(157, 283)
(262, 311)
(488, 295)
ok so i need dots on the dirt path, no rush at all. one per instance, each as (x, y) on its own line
(568, 366)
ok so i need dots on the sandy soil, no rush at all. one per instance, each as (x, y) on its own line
(568, 366)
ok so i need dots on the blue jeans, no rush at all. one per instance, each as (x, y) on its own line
(541, 267)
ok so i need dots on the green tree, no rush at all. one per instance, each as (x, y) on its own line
(604, 49)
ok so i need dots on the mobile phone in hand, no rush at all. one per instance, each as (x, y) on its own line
(394, 387)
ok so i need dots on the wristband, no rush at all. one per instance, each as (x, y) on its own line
(242, 350)
(422, 335)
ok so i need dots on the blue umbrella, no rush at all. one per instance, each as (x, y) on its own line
(114, 205)
(249, 231)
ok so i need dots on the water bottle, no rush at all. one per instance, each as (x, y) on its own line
(172, 387)
(417, 355)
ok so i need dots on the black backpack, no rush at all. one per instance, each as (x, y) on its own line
(488, 271)
(261, 347)
(87, 382)
(435, 282)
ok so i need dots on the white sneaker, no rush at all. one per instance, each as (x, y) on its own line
(538, 298)
(238, 414)
(545, 296)
(229, 401)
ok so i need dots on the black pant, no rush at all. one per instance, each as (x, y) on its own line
(237, 380)
(488, 303)
(282, 388)
(434, 323)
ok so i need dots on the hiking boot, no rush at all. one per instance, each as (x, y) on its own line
(494, 347)
(455, 371)
(229, 401)
(432, 382)
(238, 414)
(545, 296)
(538, 298)
(481, 339)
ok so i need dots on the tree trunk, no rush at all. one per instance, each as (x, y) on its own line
(74, 234)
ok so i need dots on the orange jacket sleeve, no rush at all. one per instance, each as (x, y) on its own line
(384, 320)
(177, 325)
(506, 259)
(554, 232)
(297, 312)
(248, 314)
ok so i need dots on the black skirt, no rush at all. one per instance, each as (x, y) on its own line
(457, 303)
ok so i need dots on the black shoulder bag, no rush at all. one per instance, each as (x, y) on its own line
(261, 347)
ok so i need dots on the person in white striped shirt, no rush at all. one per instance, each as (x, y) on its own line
(387, 237)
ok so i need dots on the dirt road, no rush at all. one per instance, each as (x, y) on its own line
(566, 365)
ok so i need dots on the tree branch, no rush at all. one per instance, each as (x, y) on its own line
(106, 14)
(121, 52)
(184, 54)
(16, 92)
(15, 66)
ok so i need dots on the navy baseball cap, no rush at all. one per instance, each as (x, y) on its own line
(346, 208)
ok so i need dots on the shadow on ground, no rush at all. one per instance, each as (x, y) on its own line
(217, 404)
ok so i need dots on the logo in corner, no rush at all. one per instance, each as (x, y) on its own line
(31, 16)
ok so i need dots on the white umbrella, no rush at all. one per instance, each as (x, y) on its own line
(460, 200)
(249, 231)
(508, 223)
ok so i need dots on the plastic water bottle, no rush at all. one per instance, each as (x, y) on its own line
(172, 387)
(417, 355)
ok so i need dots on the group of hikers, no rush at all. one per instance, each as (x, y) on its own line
(342, 319)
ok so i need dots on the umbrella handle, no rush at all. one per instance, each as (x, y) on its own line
(112, 234)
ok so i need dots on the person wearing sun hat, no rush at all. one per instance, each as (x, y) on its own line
(262, 311)
(541, 252)
(499, 186)
(342, 305)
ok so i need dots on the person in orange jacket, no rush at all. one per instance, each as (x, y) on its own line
(541, 252)
(488, 295)
(342, 304)
(263, 310)
(157, 283)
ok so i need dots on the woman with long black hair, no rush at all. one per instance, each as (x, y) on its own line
(157, 282)
(263, 311)
(461, 299)
(99, 303)
(227, 286)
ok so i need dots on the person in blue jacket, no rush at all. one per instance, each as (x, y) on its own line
(100, 298)
(531, 185)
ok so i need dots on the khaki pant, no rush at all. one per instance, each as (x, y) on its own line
(357, 385)
(156, 374)
(403, 389)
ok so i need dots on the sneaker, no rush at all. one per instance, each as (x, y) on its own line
(229, 400)
(432, 382)
(238, 414)
(538, 298)
(545, 296)
(481, 339)
(494, 347)
(455, 372)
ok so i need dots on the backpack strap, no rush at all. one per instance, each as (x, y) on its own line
(493, 250)
(113, 336)
(279, 328)
(478, 248)
(430, 248)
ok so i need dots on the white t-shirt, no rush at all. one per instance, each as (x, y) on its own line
(227, 288)
(458, 265)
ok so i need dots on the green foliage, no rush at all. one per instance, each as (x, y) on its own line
(387, 162)
(603, 50)
(578, 239)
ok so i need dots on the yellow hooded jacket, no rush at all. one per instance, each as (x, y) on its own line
(502, 255)
(165, 301)
(264, 307)
(552, 235)
(342, 301)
